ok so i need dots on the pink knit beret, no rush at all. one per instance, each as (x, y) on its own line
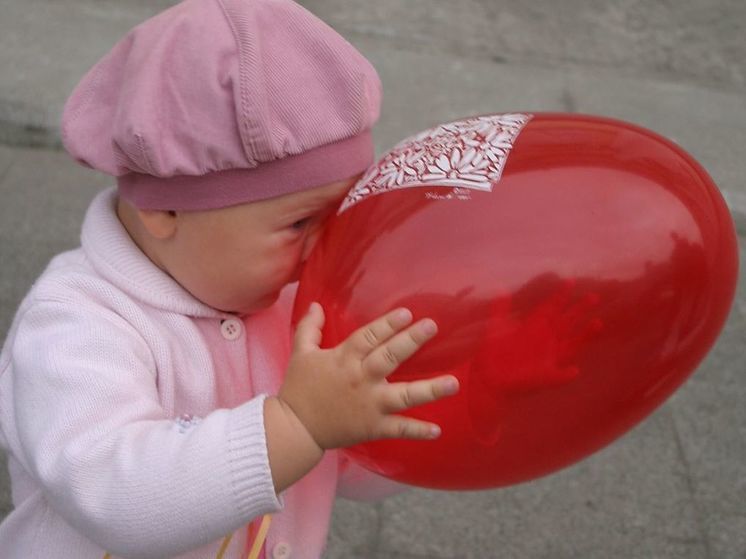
(219, 102)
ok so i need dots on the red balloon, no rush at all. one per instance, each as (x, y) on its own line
(579, 269)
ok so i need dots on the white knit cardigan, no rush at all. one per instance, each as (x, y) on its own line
(133, 424)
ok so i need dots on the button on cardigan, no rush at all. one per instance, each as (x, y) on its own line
(132, 416)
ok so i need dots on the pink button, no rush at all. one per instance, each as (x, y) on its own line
(282, 551)
(231, 329)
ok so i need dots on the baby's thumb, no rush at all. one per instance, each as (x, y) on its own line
(308, 331)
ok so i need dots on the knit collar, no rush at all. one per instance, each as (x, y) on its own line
(115, 256)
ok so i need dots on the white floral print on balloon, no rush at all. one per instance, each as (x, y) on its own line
(469, 153)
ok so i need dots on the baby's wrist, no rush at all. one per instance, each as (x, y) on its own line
(294, 422)
(291, 449)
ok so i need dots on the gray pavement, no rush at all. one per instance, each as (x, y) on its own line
(675, 487)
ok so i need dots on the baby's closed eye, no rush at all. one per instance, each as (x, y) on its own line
(301, 224)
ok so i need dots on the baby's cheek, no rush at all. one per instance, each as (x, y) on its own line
(290, 257)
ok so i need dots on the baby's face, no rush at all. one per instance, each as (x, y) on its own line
(238, 259)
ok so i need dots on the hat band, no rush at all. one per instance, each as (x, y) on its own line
(317, 167)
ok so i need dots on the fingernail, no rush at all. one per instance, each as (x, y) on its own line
(403, 315)
(429, 328)
(450, 386)
(434, 432)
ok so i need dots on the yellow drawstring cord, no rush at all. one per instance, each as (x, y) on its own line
(256, 547)
(224, 546)
(261, 536)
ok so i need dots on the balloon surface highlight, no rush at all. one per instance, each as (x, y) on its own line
(579, 269)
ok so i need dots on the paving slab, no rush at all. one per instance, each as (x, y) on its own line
(630, 500)
(712, 400)
(688, 40)
(6, 159)
(740, 302)
(727, 536)
(355, 530)
(45, 195)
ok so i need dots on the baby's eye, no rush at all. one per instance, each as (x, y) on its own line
(301, 224)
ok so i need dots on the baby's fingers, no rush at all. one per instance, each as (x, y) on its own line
(403, 395)
(398, 427)
(384, 360)
(308, 331)
(369, 337)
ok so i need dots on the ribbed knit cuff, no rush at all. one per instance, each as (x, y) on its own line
(249, 461)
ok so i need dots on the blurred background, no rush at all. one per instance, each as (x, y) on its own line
(675, 487)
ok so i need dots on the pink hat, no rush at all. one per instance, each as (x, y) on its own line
(219, 102)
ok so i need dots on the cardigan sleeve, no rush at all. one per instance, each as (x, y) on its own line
(92, 432)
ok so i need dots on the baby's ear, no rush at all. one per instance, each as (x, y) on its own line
(160, 224)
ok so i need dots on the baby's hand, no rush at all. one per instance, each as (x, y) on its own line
(341, 394)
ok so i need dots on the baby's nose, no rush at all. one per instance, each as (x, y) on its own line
(311, 240)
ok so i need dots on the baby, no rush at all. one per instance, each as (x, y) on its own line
(153, 400)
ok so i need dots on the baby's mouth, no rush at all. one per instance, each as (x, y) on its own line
(296, 274)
